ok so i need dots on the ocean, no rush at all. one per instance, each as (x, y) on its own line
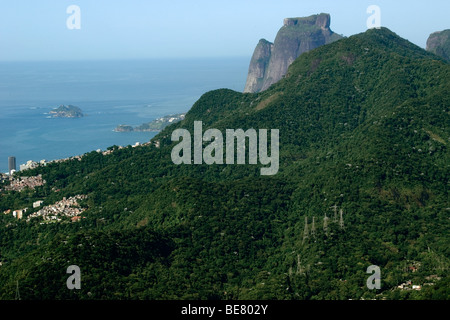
(108, 92)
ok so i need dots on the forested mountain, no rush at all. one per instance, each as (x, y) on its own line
(364, 134)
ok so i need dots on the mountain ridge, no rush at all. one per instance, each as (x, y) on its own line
(363, 128)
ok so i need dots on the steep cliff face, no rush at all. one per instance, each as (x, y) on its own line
(270, 62)
(439, 43)
(258, 66)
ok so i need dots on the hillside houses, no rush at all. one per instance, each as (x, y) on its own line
(21, 183)
(68, 207)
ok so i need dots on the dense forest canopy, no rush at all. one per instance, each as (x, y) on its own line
(363, 180)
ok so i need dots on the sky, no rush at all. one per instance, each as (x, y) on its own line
(140, 29)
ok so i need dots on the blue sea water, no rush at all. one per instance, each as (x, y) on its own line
(108, 92)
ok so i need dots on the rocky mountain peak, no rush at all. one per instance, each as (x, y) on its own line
(439, 43)
(270, 61)
(321, 20)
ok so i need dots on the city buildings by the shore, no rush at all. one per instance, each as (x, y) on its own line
(30, 164)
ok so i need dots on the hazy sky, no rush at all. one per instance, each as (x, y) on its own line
(124, 29)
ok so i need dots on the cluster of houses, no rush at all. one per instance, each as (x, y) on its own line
(409, 286)
(19, 213)
(64, 208)
(32, 164)
(67, 207)
(19, 184)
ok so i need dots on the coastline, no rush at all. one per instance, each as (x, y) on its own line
(153, 126)
(108, 92)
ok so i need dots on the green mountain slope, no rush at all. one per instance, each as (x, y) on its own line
(363, 127)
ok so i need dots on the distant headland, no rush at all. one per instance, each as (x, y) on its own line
(68, 111)
(153, 126)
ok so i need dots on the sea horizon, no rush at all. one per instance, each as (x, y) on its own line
(109, 92)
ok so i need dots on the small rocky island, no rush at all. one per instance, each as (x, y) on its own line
(153, 126)
(68, 111)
